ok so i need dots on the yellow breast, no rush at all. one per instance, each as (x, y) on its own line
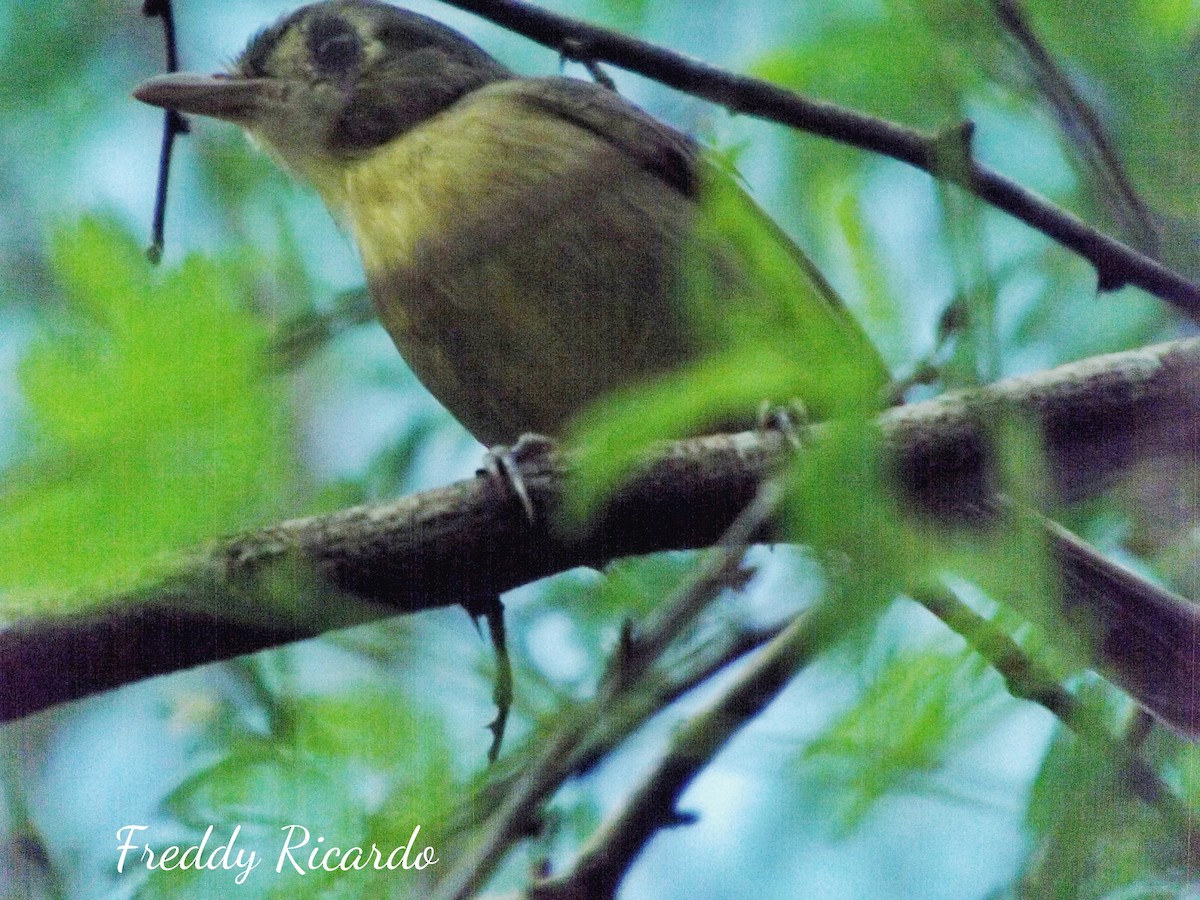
(435, 177)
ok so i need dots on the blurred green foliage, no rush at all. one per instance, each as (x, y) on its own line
(914, 713)
(352, 769)
(1091, 841)
(152, 424)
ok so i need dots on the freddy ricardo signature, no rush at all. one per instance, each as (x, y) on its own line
(299, 850)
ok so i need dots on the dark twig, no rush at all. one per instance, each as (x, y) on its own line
(1116, 263)
(1083, 125)
(654, 805)
(173, 125)
(720, 570)
(622, 716)
(579, 55)
(710, 659)
(502, 689)
(615, 708)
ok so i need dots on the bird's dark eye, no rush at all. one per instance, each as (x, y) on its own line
(334, 44)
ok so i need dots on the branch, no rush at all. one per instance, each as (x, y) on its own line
(1026, 679)
(654, 804)
(1116, 263)
(1080, 122)
(466, 542)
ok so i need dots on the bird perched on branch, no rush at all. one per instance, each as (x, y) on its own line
(531, 244)
(525, 239)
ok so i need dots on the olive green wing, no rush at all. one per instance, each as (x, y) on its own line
(655, 146)
(679, 162)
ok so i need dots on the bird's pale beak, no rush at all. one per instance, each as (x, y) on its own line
(229, 97)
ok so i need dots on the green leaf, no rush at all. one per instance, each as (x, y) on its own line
(612, 435)
(153, 424)
(917, 709)
(1095, 836)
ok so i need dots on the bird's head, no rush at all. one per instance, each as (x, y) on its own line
(332, 81)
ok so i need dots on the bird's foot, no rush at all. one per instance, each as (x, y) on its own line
(502, 465)
(790, 420)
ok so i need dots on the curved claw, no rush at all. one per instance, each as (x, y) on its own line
(503, 464)
(501, 467)
(791, 421)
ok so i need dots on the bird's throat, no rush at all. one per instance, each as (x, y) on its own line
(421, 186)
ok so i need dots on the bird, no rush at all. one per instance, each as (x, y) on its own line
(532, 244)
(523, 238)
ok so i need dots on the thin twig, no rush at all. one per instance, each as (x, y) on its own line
(1026, 679)
(626, 714)
(509, 822)
(718, 571)
(713, 657)
(1082, 124)
(653, 806)
(1116, 263)
(173, 125)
